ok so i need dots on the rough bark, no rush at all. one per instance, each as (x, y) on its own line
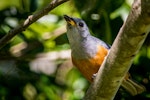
(126, 45)
(31, 19)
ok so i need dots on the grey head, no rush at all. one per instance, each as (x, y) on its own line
(77, 29)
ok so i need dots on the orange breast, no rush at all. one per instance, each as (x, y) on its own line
(88, 67)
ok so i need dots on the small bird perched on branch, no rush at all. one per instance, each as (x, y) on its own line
(88, 53)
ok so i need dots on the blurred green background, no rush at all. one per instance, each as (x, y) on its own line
(36, 64)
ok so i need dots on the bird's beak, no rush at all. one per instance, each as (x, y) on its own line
(70, 20)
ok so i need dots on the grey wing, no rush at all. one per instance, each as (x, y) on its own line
(102, 43)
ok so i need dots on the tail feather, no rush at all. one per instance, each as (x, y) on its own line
(132, 87)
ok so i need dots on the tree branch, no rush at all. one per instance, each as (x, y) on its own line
(127, 44)
(31, 19)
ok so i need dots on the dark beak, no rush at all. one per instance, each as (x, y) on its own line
(69, 20)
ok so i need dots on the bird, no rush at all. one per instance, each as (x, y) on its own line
(89, 52)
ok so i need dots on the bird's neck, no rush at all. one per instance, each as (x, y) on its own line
(77, 44)
(81, 48)
(78, 49)
(81, 43)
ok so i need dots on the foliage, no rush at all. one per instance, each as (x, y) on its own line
(36, 65)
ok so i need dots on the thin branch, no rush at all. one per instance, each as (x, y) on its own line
(31, 19)
(127, 44)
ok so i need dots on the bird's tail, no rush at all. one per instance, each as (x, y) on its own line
(132, 87)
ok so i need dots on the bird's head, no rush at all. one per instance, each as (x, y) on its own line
(76, 28)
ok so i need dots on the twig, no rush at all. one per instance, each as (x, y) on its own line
(31, 19)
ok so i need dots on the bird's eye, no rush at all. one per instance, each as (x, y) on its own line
(81, 24)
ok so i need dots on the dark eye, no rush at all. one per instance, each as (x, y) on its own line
(81, 24)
